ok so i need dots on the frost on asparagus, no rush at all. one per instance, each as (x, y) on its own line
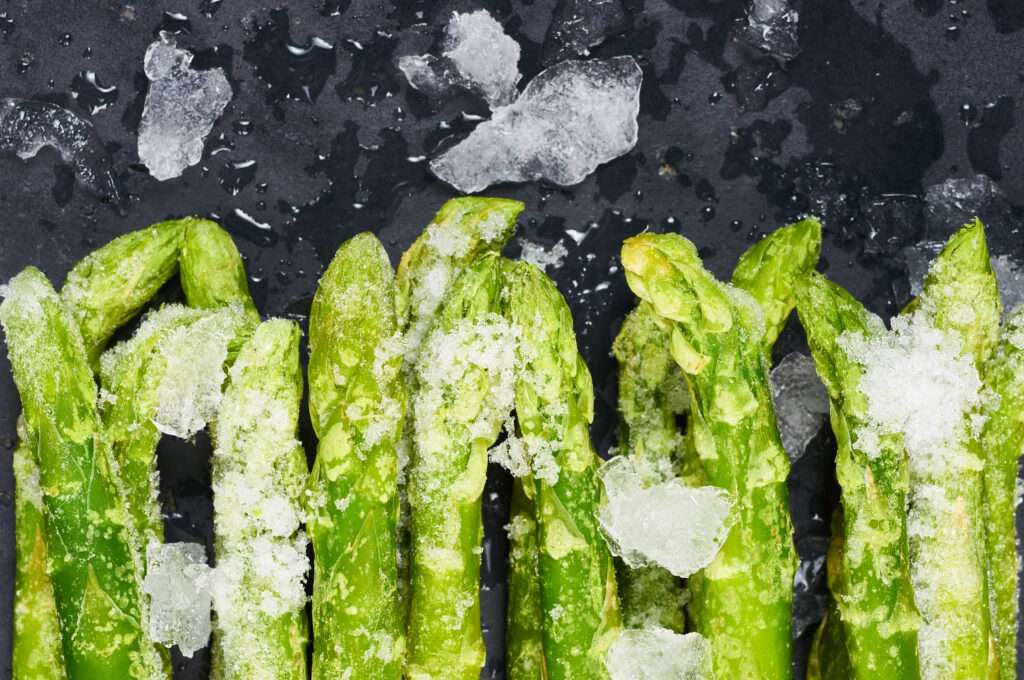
(543, 258)
(570, 119)
(477, 56)
(801, 402)
(178, 583)
(659, 654)
(27, 126)
(670, 524)
(771, 25)
(180, 108)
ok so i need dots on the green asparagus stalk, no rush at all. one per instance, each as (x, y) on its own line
(961, 297)
(96, 576)
(1002, 442)
(37, 653)
(717, 334)
(212, 274)
(524, 636)
(464, 394)
(357, 400)
(259, 472)
(554, 406)
(874, 594)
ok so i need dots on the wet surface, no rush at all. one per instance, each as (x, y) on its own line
(323, 139)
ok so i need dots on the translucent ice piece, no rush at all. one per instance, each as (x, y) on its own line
(578, 25)
(570, 119)
(771, 25)
(542, 257)
(178, 583)
(670, 524)
(180, 109)
(801, 402)
(659, 654)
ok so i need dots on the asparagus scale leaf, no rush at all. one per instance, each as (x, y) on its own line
(357, 400)
(717, 334)
(871, 571)
(259, 472)
(464, 393)
(1002, 442)
(554, 406)
(96, 576)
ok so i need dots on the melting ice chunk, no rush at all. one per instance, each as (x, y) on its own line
(659, 654)
(670, 524)
(570, 119)
(538, 255)
(578, 25)
(771, 25)
(27, 126)
(178, 583)
(477, 56)
(180, 108)
(801, 402)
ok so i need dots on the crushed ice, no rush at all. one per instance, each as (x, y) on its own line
(180, 109)
(771, 26)
(542, 257)
(670, 524)
(570, 119)
(801, 402)
(477, 56)
(578, 25)
(178, 583)
(659, 654)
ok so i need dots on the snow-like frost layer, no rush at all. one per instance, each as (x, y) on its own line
(659, 654)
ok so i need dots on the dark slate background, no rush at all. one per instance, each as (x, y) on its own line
(884, 100)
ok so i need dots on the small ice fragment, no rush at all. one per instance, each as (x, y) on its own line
(180, 108)
(670, 524)
(178, 583)
(771, 25)
(659, 654)
(570, 119)
(541, 257)
(1010, 276)
(578, 25)
(810, 594)
(27, 126)
(801, 402)
(510, 453)
(916, 259)
(477, 56)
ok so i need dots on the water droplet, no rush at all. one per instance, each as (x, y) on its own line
(262, 187)
(968, 114)
(65, 39)
(90, 94)
(736, 225)
(173, 22)
(714, 97)
(242, 127)
(87, 53)
(221, 144)
(8, 443)
(236, 176)
(707, 213)
(25, 61)
(952, 33)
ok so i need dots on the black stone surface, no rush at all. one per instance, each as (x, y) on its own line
(883, 100)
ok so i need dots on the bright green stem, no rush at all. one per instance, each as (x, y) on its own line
(212, 274)
(357, 401)
(524, 637)
(259, 466)
(877, 606)
(96, 577)
(111, 284)
(961, 297)
(717, 335)
(1002, 442)
(457, 417)
(554, 406)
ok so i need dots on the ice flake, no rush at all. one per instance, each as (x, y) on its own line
(570, 119)
(477, 56)
(578, 25)
(511, 452)
(180, 108)
(659, 654)
(670, 524)
(178, 583)
(27, 126)
(771, 25)
(538, 255)
(801, 402)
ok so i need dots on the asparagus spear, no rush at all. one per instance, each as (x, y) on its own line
(524, 637)
(37, 653)
(717, 333)
(464, 394)
(874, 594)
(961, 297)
(212, 274)
(111, 284)
(259, 471)
(554, 406)
(357, 400)
(95, 574)
(1002, 443)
